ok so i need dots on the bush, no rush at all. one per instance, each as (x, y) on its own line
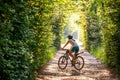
(25, 42)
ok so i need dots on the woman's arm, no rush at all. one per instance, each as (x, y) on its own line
(66, 44)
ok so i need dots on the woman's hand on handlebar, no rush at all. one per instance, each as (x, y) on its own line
(61, 49)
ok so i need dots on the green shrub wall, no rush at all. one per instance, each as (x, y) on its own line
(111, 34)
(25, 38)
(103, 32)
(29, 35)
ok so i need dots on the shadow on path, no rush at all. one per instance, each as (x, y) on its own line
(93, 69)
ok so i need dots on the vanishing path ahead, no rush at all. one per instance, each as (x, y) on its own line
(93, 69)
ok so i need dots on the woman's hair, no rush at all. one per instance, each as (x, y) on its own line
(70, 36)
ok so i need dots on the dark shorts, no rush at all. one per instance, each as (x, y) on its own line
(75, 49)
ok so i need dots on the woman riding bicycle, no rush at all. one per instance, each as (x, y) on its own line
(73, 49)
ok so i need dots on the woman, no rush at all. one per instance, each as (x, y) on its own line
(74, 48)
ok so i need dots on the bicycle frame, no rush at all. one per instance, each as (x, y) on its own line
(67, 55)
(78, 64)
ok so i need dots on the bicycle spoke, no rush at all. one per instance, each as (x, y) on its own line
(79, 63)
(62, 62)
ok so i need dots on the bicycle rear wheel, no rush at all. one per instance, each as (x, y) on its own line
(79, 63)
(62, 62)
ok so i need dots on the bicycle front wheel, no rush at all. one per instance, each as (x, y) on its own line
(79, 63)
(62, 62)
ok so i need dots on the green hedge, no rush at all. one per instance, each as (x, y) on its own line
(112, 33)
(103, 32)
(25, 38)
(30, 33)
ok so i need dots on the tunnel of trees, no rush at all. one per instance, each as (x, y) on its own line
(31, 32)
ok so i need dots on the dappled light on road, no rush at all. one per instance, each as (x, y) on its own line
(93, 69)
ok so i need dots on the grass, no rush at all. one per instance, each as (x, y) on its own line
(99, 53)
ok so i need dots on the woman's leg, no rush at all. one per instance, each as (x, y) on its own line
(75, 55)
(70, 53)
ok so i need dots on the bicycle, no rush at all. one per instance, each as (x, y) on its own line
(63, 61)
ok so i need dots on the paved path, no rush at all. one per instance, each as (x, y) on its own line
(93, 70)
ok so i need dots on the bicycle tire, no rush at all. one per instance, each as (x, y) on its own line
(79, 63)
(62, 62)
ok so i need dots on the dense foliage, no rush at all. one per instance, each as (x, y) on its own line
(111, 34)
(31, 30)
(25, 38)
(102, 32)
(63, 9)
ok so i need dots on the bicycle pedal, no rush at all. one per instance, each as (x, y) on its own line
(72, 64)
